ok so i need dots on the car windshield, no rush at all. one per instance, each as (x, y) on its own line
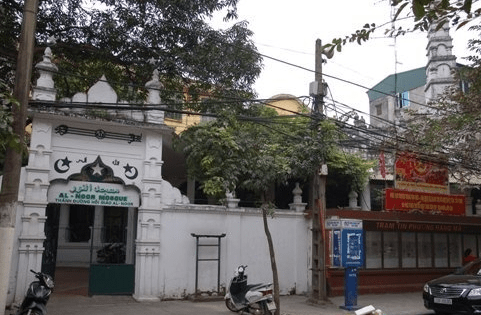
(473, 268)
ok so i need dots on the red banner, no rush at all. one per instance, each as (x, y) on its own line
(403, 200)
(415, 174)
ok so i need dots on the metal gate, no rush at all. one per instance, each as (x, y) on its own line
(110, 273)
(49, 257)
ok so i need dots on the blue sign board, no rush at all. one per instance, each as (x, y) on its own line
(336, 248)
(352, 248)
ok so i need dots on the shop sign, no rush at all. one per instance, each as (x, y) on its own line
(352, 224)
(406, 226)
(93, 194)
(414, 174)
(403, 200)
(333, 224)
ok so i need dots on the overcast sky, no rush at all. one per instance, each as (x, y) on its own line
(287, 30)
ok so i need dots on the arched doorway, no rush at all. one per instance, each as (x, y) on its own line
(90, 233)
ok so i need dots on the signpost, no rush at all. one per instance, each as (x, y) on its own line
(348, 252)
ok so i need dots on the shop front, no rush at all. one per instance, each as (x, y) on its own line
(420, 233)
(404, 250)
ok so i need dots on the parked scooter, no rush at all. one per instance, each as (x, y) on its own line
(38, 293)
(253, 298)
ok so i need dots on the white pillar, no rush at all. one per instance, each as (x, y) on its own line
(129, 251)
(34, 186)
(366, 197)
(63, 224)
(147, 266)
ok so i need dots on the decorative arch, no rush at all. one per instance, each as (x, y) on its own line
(97, 171)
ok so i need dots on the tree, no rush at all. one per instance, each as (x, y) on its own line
(452, 132)
(127, 39)
(423, 12)
(257, 151)
(449, 132)
(8, 139)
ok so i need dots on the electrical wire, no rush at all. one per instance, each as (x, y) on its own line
(333, 77)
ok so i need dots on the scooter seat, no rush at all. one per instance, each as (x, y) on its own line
(251, 286)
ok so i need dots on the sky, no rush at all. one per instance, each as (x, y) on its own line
(288, 30)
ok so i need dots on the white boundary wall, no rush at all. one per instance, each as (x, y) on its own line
(245, 243)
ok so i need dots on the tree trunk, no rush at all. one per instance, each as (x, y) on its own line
(275, 276)
(13, 158)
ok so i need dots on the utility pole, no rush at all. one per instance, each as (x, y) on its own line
(318, 188)
(13, 158)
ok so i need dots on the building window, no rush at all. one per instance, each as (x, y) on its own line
(173, 115)
(403, 99)
(391, 250)
(455, 250)
(424, 250)
(464, 86)
(379, 110)
(175, 103)
(81, 218)
(373, 250)
(469, 241)
(440, 250)
(408, 250)
(386, 249)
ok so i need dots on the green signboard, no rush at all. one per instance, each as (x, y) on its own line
(94, 194)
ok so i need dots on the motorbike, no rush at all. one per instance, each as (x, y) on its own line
(113, 253)
(38, 293)
(255, 299)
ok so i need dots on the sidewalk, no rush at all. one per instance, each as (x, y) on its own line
(390, 304)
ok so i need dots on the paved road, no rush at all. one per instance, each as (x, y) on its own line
(390, 304)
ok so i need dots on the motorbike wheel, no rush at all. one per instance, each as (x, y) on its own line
(265, 309)
(231, 306)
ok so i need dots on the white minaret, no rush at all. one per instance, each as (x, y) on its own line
(441, 61)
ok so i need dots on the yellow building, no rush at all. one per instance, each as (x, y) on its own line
(284, 104)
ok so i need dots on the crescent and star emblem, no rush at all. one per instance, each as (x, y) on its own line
(129, 173)
(65, 167)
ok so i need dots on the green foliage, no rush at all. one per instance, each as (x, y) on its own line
(127, 39)
(352, 167)
(359, 36)
(7, 136)
(425, 13)
(258, 151)
(453, 132)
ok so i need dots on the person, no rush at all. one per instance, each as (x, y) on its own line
(468, 257)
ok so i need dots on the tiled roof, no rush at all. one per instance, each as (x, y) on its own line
(398, 83)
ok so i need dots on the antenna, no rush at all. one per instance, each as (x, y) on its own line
(393, 27)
